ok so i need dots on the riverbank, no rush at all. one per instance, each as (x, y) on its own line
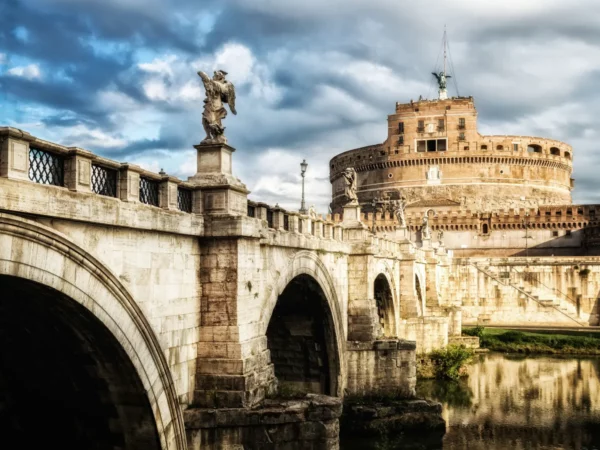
(531, 342)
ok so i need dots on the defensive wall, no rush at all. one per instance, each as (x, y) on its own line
(210, 306)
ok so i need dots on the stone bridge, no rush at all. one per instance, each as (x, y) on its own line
(141, 311)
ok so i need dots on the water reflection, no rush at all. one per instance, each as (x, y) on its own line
(522, 403)
(517, 403)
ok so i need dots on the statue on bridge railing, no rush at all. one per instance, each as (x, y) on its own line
(218, 92)
(350, 187)
(425, 230)
(399, 206)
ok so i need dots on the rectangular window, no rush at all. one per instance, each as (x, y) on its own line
(401, 128)
(431, 145)
(251, 211)
(555, 234)
(286, 222)
(568, 234)
(461, 124)
(440, 124)
(421, 126)
(515, 147)
(461, 137)
(400, 140)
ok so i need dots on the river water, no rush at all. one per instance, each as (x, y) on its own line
(513, 403)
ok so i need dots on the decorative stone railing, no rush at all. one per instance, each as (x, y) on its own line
(329, 227)
(27, 158)
(545, 217)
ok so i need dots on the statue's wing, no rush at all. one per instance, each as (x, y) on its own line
(437, 77)
(230, 96)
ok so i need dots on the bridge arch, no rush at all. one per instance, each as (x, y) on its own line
(306, 279)
(384, 291)
(71, 284)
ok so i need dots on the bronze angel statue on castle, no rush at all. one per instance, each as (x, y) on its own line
(218, 92)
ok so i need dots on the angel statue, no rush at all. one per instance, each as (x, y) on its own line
(425, 230)
(399, 206)
(218, 92)
(312, 212)
(441, 79)
(350, 187)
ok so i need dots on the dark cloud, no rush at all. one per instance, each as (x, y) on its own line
(336, 69)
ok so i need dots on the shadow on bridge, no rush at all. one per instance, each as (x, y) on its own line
(301, 339)
(65, 381)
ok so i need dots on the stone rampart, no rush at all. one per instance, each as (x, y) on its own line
(527, 291)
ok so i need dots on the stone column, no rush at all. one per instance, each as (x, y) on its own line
(14, 153)
(328, 230)
(408, 300)
(363, 318)
(261, 211)
(278, 218)
(222, 193)
(167, 193)
(129, 183)
(294, 218)
(78, 170)
(197, 207)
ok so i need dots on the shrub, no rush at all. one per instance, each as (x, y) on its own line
(477, 331)
(512, 336)
(450, 361)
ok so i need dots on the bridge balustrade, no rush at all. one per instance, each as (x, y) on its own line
(148, 191)
(104, 181)
(184, 199)
(46, 167)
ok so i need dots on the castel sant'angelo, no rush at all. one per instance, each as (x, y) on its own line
(480, 191)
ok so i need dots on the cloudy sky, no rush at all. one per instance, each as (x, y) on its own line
(313, 77)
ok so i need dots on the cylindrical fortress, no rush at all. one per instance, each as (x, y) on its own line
(434, 154)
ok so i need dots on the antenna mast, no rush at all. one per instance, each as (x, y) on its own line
(444, 49)
(442, 76)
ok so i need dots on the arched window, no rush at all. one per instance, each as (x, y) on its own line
(485, 229)
(567, 155)
(484, 147)
(534, 148)
(499, 147)
(554, 151)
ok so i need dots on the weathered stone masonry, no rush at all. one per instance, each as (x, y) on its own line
(218, 303)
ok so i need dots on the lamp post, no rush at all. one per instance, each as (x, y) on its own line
(303, 166)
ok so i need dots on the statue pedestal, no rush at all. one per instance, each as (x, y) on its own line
(351, 217)
(402, 234)
(222, 193)
(354, 229)
(426, 244)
